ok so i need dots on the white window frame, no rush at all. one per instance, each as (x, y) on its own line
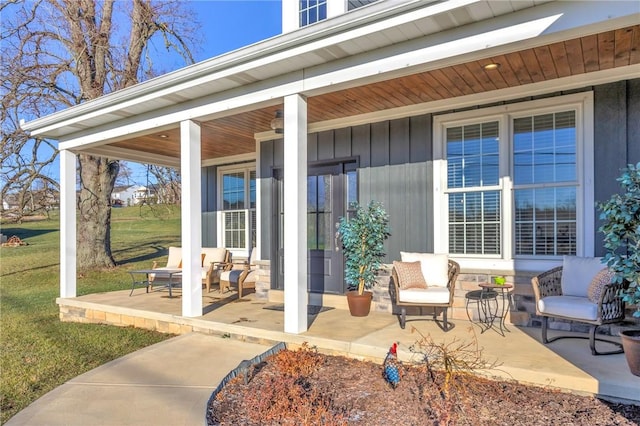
(582, 103)
(306, 10)
(245, 168)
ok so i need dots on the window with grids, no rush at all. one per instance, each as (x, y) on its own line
(312, 11)
(474, 194)
(545, 184)
(540, 161)
(238, 190)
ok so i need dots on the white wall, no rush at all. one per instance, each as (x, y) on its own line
(290, 16)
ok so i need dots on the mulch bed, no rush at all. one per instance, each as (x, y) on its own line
(304, 387)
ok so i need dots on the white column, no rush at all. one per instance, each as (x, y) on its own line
(191, 175)
(68, 224)
(259, 216)
(295, 213)
(290, 19)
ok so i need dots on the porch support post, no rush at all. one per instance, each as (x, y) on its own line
(295, 212)
(191, 175)
(68, 250)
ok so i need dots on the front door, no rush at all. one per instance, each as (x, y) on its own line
(325, 205)
(330, 189)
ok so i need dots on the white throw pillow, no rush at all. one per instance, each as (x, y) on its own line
(435, 267)
(175, 257)
(577, 273)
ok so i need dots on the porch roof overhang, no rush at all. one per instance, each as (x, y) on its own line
(383, 61)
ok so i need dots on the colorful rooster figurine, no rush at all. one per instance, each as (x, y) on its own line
(391, 366)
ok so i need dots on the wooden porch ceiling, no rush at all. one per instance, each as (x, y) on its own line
(234, 135)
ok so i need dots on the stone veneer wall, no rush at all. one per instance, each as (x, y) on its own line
(263, 279)
(522, 311)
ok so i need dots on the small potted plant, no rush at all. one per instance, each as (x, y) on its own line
(621, 228)
(500, 280)
(362, 238)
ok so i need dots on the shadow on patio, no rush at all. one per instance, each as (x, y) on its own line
(566, 364)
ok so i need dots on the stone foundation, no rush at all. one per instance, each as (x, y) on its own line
(94, 316)
(263, 280)
(522, 311)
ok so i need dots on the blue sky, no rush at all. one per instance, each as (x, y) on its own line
(231, 24)
(226, 25)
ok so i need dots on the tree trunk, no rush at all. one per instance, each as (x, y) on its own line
(97, 178)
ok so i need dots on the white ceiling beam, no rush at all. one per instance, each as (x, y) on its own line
(132, 155)
(203, 109)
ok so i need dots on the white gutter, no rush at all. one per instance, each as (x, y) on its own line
(570, 20)
(285, 46)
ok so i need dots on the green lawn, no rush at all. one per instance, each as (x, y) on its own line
(37, 351)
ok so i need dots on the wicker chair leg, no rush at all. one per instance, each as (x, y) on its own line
(592, 343)
(444, 320)
(545, 323)
(592, 339)
(403, 317)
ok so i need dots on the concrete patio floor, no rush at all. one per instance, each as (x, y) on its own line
(566, 364)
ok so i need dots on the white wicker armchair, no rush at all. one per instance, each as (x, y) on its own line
(563, 292)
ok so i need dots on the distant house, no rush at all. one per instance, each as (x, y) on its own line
(488, 129)
(131, 195)
(10, 202)
(167, 193)
(33, 201)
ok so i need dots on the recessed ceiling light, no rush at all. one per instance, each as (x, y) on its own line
(163, 136)
(491, 66)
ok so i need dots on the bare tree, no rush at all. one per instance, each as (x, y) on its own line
(60, 53)
(125, 174)
(168, 188)
(24, 170)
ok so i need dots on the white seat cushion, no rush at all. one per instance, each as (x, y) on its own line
(175, 257)
(569, 306)
(175, 278)
(231, 276)
(435, 267)
(251, 276)
(577, 273)
(424, 295)
(213, 254)
(205, 269)
(178, 277)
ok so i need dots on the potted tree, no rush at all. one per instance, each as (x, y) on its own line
(621, 228)
(362, 238)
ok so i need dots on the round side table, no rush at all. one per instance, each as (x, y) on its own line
(505, 292)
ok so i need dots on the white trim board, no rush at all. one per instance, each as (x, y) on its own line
(553, 21)
(585, 219)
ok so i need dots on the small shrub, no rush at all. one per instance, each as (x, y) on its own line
(454, 360)
(299, 363)
(285, 395)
